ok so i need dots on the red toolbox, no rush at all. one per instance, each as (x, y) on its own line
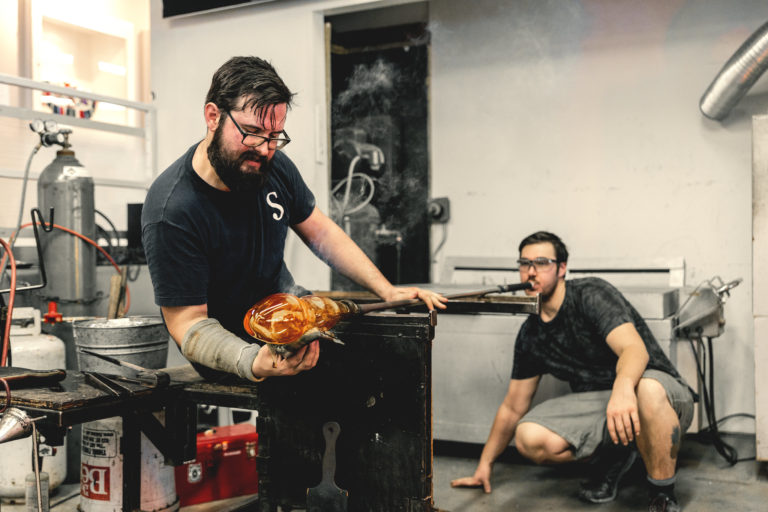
(225, 466)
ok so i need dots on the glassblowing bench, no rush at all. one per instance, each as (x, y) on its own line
(377, 386)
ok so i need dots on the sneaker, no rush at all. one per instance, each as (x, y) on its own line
(610, 465)
(663, 502)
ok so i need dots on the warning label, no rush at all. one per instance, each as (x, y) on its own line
(99, 443)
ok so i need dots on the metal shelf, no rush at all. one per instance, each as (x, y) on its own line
(147, 132)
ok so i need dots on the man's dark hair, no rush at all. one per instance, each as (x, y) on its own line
(539, 237)
(251, 78)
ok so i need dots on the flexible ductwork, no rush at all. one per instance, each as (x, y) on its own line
(737, 76)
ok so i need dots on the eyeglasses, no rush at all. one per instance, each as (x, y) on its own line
(253, 140)
(539, 263)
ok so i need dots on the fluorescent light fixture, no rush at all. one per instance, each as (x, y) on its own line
(108, 67)
(110, 106)
(56, 100)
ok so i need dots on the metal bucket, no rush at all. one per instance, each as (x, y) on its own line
(141, 340)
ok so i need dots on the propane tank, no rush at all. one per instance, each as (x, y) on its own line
(66, 186)
(35, 351)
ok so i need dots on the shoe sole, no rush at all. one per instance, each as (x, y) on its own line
(623, 471)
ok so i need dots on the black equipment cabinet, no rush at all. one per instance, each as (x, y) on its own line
(377, 386)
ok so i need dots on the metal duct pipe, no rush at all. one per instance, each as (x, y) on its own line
(737, 76)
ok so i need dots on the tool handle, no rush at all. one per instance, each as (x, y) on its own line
(112, 360)
(331, 433)
(499, 289)
(156, 378)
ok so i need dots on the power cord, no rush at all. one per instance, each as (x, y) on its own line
(711, 434)
(111, 225)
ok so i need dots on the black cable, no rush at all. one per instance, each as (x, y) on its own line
(114, 230)
(106, 237)
(727, 451)
(724, 449)
(131, 276)
(711, 360)
(731, 416)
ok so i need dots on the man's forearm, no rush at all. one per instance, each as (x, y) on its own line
(502, 432)
(331, 244)
(353, 263)
(627, 344)
(209, 344)
(631, 365)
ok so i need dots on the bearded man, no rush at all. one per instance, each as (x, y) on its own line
(214, 225)
(627, 396)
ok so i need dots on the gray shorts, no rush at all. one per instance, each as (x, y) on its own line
(579, 418)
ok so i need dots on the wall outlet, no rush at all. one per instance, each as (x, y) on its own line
(439, 210)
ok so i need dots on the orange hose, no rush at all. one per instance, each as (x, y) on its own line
(11, 297)
(88, 240)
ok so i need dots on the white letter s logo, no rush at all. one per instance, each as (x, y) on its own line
(276, 206)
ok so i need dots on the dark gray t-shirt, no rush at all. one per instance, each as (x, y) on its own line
(223, 249)
(573, 347)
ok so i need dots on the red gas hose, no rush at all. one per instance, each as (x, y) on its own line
(11, 297)
(88, 240)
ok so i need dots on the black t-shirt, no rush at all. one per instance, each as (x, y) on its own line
(223, 249)
(572, 346)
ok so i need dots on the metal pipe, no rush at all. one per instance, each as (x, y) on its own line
(377, 306)
(36, 464)
(737, 76)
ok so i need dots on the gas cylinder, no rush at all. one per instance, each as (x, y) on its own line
(67, 187)
(35, 351)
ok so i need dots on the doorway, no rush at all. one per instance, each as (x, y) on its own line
(379, 140)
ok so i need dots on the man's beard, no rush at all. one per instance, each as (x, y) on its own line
(228, 168)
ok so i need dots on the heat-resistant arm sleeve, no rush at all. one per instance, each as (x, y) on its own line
(210, 344)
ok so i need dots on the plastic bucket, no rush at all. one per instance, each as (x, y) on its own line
(141, 340)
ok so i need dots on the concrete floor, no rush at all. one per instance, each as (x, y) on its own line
(706, 483)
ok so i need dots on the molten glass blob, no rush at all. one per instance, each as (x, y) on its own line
(282, 318)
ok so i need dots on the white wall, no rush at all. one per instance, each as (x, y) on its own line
(577, 117)
(9, 15)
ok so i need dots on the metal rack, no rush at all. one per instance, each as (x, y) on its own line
(147, 131)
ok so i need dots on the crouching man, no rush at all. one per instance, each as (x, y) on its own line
(627, 397)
